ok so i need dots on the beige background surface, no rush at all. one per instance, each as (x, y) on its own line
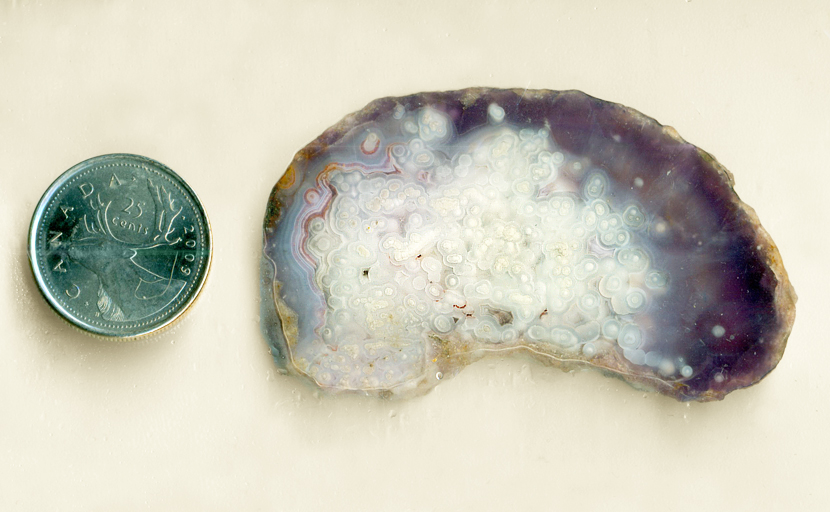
(224, 93)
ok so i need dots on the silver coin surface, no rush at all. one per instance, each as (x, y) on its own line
(120, 246)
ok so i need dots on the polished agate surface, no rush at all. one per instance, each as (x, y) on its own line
(424, 232)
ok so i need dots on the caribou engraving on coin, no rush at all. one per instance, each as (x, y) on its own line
(127, 289)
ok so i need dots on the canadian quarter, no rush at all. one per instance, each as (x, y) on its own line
(120, 246)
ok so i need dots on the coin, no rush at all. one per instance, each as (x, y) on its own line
(120, 246)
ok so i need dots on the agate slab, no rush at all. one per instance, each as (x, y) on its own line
(423, 232)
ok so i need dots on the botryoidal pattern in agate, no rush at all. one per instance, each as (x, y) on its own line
(424, 232)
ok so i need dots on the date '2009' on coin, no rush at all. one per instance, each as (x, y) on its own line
(120, 245)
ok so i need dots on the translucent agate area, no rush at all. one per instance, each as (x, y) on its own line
(424, 232)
